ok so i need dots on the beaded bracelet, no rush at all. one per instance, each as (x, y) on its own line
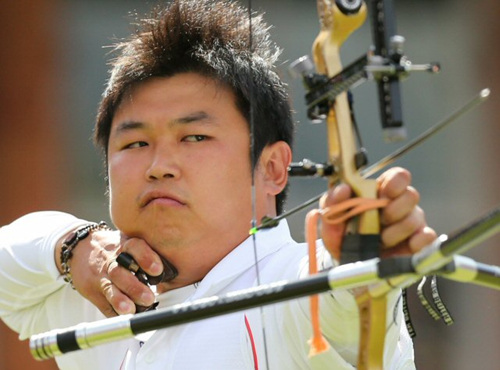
(70, 244)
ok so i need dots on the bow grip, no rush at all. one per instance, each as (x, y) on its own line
(359, 247)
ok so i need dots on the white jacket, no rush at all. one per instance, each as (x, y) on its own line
(34, 299)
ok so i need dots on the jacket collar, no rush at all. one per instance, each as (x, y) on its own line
(240, 259)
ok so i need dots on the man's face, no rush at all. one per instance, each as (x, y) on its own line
(179, 168)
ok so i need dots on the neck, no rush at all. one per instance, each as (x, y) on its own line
(195, 262)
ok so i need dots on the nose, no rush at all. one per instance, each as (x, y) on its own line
(163, 165)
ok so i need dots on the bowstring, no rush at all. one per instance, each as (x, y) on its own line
(253, 164)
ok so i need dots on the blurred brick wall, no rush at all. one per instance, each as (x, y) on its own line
(30, 145)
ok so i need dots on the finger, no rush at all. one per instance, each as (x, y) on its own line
(332, 234)
(144, 255)
(401, 249)
(117, 302)
(336, 195)
(414, 244)
(130, 286)
(403, 229)
(421, 239)
(400, 207)
(393, 182)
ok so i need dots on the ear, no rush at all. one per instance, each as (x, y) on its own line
(273, 165)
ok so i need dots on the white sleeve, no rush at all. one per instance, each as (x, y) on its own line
(28, 272)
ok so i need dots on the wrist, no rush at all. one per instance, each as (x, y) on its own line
(67, 245)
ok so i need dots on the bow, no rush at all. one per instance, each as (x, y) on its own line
(327, 98)
(338, 20)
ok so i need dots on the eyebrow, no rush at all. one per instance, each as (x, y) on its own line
(129, 126)
(200, 116)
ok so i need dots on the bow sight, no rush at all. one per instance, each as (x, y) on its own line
(385, 63)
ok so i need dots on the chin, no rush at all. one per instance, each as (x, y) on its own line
(163, 238)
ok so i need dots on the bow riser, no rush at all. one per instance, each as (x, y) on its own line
(336, 26)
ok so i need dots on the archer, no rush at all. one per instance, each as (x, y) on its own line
(174, 125)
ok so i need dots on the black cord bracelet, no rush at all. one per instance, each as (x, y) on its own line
(70, 244)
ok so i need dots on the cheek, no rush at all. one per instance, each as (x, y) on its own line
(121, 185)
(235, 183)
(113, 192)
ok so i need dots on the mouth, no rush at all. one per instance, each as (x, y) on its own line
(160, 198)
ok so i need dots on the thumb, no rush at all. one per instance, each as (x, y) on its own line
(335, 195)
(332, 235)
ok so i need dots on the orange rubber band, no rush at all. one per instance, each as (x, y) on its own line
(350, 208)
(334, 214)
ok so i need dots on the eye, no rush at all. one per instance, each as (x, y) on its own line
(135, 144)
(194, 138)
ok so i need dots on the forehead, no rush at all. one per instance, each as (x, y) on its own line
(169, 91)
(178, 99)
